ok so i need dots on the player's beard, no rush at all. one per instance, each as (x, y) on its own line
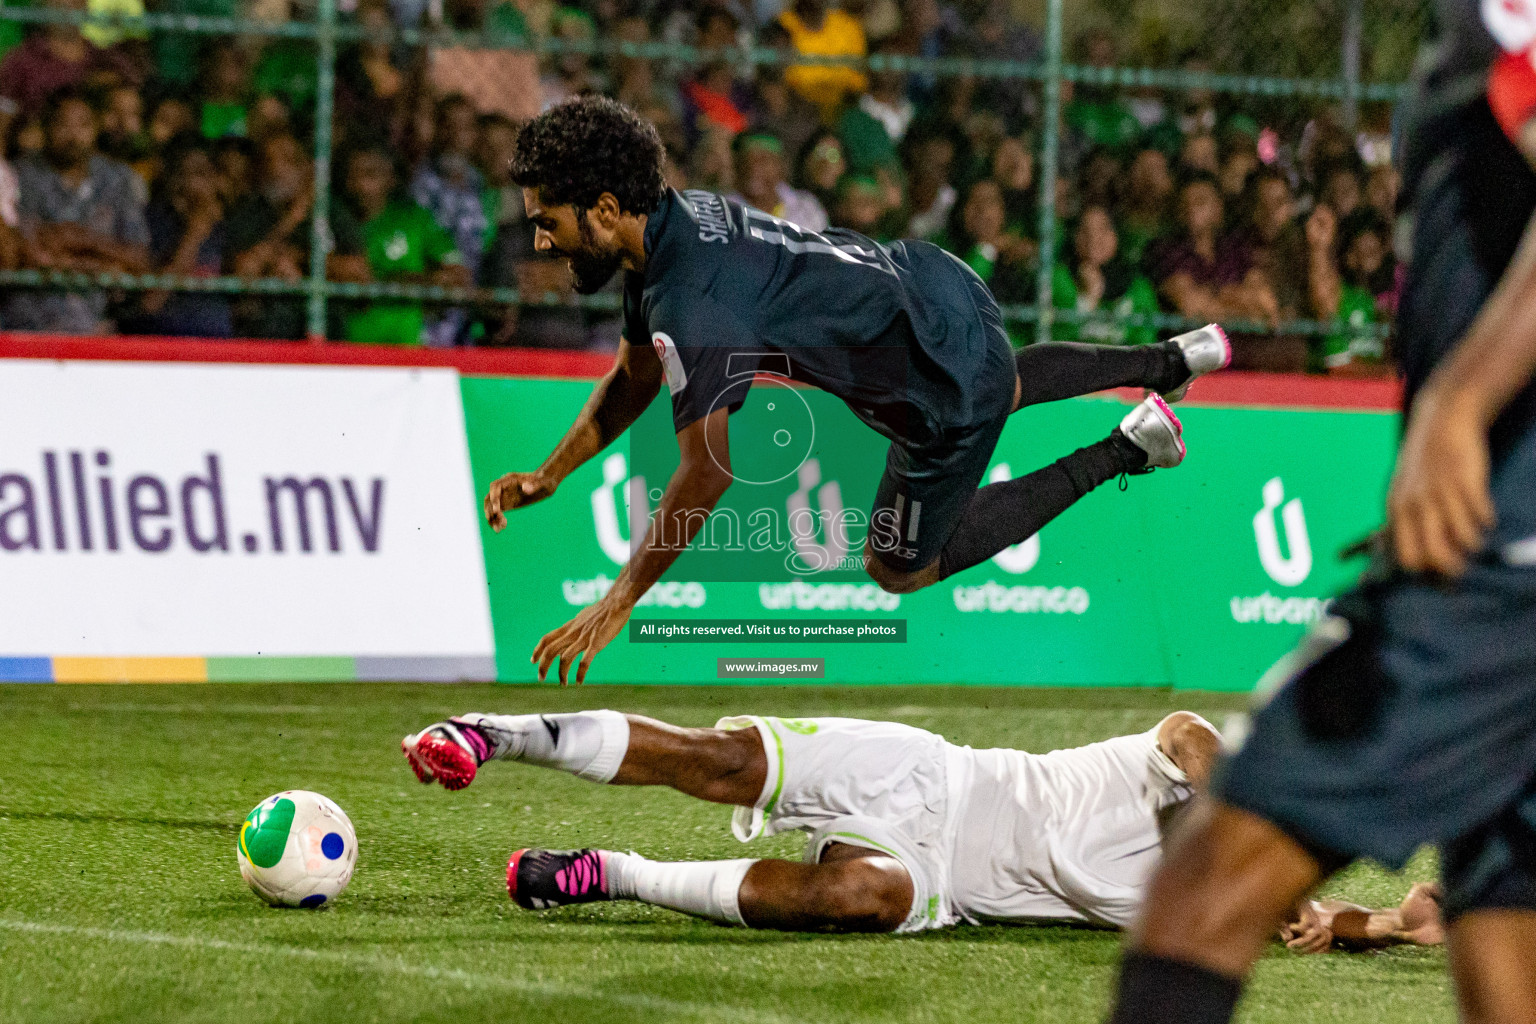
(591, 268)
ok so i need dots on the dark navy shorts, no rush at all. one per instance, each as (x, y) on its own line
(1409, 716)
(1417, 726)
(926, 488)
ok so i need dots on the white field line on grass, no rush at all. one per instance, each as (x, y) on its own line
(387, 965)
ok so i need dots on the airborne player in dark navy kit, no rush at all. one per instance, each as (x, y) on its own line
(907, 335)
(1408, 717)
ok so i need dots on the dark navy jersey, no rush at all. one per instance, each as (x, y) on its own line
(1470, 191)
(729, 292)
(1448, 103)
(1450, 82)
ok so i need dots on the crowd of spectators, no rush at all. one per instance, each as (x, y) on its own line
(191, 155)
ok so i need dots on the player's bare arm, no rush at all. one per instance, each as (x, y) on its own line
(702, 476)
(625, 392)
(1415, 921)
(1191, 743)
(1439, 507)
(1321, 925)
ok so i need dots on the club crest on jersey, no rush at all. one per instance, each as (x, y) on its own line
(671, 362)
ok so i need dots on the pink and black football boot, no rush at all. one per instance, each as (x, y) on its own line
(545, 879)
(448, 752)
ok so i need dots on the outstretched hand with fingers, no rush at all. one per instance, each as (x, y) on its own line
(514, 491)
(580, 639)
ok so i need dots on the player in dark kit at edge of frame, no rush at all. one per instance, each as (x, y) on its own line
(905, 334)
(1409, 716)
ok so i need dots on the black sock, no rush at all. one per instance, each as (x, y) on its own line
(1010, 511)
(1155, 990)
(1065, 369)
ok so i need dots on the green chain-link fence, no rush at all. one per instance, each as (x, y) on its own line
(1285, 62)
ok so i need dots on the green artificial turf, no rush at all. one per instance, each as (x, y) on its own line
(120, 899)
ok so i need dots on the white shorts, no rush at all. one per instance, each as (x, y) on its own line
(878, 785)
(985, 835)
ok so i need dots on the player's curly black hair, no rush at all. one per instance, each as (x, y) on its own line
(576, 151)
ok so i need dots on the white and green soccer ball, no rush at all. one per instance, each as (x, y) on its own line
(297, 849)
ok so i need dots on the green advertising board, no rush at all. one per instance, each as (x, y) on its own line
(1198, 577)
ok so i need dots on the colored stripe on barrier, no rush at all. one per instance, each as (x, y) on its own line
(282, 670)
(469, 668)
(130, 670)
(438, 669)
(26, 670)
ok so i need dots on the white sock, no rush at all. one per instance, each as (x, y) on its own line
(703, 888)
(589, 744)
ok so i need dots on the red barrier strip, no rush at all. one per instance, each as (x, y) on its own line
(516, 362)
(1277, 390)
(1293, 390)
(1289, 391)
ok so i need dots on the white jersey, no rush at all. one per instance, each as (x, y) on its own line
(986, 835)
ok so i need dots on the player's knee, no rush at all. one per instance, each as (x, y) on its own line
(866, 894)
(895, 581)
(1490, 961)
(1227, 881)
(888, 579)
(1190, 911)
(900, 584)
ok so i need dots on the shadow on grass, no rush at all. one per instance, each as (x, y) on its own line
(585, 926)
(120, 819)
(1086, 945)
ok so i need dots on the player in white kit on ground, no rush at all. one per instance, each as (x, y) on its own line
(908, 831)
